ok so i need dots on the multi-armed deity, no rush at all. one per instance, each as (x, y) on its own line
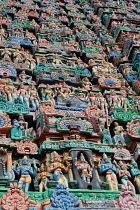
(25, 172)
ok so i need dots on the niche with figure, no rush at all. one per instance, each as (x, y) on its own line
(83, 169)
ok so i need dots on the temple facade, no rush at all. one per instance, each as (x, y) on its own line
(69, 105)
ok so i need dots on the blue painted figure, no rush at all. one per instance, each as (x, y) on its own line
(16, 133)
(21, 128)
(25, 172)
(110, 170)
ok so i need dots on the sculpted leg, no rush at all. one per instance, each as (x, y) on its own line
(27, 186)
(20, 183)
(40, 187)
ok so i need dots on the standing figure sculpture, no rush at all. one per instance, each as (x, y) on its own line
(43, 176)
(118, 129)
(25, 172)
(33, 97)
(110, 171)
(23, 94)
(135, 172)
(124, 175)
(84, 169)
(119, 132)
(57, 168)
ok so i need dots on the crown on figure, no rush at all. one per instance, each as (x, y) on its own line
(25, 157)
(104, 156)
(121, 163)
(133, 161)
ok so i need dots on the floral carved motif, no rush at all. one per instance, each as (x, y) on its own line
(128, 200)
(93, 111)
(5, 120)
(107, 82)
(15, 199)
(27, 147)
(121, 154)
(133, 129)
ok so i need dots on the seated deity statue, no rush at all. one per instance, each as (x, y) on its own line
(57, 61)
(26, 79)
(20, 129)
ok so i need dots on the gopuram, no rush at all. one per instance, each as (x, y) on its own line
(69, 105)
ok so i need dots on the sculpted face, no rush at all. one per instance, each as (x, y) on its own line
(21, 117)
(116, 124)
(24, 162)
(106, 160)
(82, 158)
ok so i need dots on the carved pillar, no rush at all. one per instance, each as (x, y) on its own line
(9, 161)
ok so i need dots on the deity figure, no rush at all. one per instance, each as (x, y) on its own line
(84, 169)
(124, 175)
(2, 33)
(93, 100)
(11, 91)
(32, 63)
(57, 61)
(57, 168)
(2, 88)
(127, 68)
(63, 94)
(102, 103)
(23, 95)
(17, 56)
(33, 97)
(26, 79)
(21, 128)
(135, 172)
(47, 94)
(43, 176)
(6, 55)
(87, 84)
(118, 129)
(31, 37)
(110, 170)
(114, 100)
(25, 172)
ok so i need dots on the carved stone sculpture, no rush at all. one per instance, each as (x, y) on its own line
(128, 200)
(124, 175)
(110, 172)
(15, 199)
(58, 168)
(135, 172)
(25, 172)
(43, 176)
(84, 169)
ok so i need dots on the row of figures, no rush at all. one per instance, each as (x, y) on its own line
(111, 169)
(82, 169)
